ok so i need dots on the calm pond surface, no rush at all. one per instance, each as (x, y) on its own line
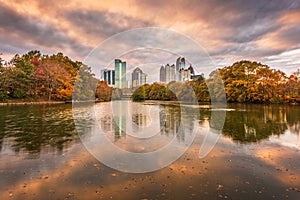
(256, 155)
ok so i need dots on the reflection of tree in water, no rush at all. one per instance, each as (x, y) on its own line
(247, 123)
(204, 115)
(38, 128)
(293, 118)
(175, 120)
(252, 123)
(170, 121)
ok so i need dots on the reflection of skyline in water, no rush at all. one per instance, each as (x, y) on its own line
(119, 117)
(50, 128)
(168, 121)
(243, 123)
(74, 173)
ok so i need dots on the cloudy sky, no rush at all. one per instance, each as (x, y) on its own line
(267, 31)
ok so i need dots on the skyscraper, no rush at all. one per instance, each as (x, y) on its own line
(138, 78)
(162, 74)
(109, 76)
(191, 70)
(120, 73)
(170, 73)
(184, 75)
(167, 73)
(180, 63)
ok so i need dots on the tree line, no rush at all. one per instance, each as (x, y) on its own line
(37, 77)
(242, 82)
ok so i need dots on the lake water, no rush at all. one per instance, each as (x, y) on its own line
(250, 152)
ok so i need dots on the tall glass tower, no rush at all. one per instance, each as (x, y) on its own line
(138, 78)
(120, 74)
(109, 76)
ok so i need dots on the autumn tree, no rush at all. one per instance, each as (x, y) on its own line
(247, 81)
(292, 88)
(36, 76)
(201, 90)
(103, 91)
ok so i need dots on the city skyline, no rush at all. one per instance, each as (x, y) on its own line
(177, 72)
(134, 78)
(117, 77)
(263, 31)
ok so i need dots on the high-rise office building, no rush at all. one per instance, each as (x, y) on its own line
(191, 70)
(162, 74)
(143, 79)
(184, 75)
(138, 78)
(120, 74)
(109, 76)
(170, 73)
(167, 73)
(180, 63)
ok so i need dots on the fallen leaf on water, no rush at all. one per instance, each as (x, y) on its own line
(219, 187)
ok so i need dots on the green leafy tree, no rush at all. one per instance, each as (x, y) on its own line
(201, 90)
(215, 87)
(85, 84)
(139, 94)
(11, 83)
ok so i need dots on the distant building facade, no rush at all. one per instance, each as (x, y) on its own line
(120, 74)
(184, 75)
(180, 63)
(191, 70)
(170, 73)
(138, 78)
(109, 76)
(162, 74)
